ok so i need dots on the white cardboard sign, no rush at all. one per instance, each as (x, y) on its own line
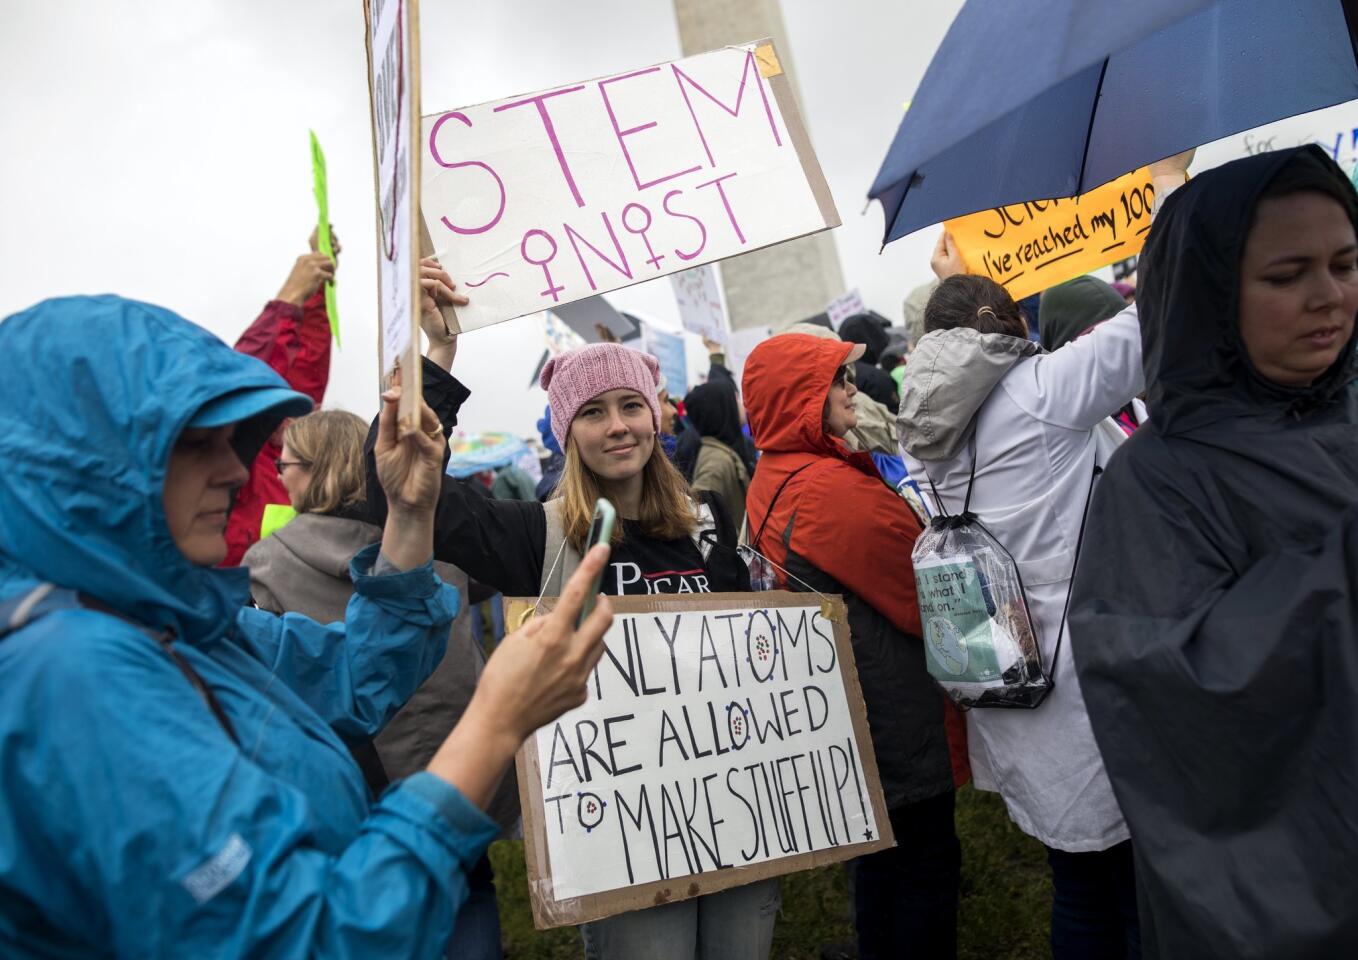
(723, 740)
(534, 201)
(700, 309)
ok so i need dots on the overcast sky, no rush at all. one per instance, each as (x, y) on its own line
(159, 149)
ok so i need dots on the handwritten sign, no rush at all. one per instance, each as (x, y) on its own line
(538, 200)
(394, 93)
(700, 309)
(1028, 247)
(723, 741)
(845, 306)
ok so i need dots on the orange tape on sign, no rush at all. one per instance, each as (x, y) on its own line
(1028, 247)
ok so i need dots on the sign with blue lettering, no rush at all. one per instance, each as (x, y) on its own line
(723, 741)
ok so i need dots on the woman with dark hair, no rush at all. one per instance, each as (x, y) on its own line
(1215, 619)
(992, 426)
(722, 465)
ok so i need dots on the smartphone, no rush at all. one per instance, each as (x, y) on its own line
(600, 531)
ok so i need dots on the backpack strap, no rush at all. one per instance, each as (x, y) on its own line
(559, 558)
(759, 536)
(19, 612)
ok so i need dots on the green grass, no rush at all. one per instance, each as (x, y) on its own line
(1006, 897)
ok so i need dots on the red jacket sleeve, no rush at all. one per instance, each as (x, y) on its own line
(310, 370)
(295, 342)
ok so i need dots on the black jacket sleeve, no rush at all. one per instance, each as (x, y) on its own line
(498, 542)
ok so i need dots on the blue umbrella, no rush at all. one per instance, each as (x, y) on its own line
(1050, 98)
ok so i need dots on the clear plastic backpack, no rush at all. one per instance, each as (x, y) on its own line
(979, 641)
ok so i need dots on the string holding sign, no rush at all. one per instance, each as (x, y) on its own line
(1028, 247)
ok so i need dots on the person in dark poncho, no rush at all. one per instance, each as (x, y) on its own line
(723, 464)
(1215, 613)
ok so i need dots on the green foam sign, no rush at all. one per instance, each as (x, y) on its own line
(323, 228)
(276, 516)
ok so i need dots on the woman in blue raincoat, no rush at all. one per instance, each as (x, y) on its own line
(175, 778)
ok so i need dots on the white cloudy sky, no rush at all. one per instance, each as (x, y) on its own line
(158, 149)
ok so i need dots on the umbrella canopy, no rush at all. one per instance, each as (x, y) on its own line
(1050, 98)
(485, 451)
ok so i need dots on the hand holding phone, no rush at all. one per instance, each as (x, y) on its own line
(600, 531)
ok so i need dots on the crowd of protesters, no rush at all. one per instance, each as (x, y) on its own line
(217, 743)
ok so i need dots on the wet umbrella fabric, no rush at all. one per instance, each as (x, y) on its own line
(1050, 98)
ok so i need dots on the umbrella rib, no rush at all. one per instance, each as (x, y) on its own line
(1089, 132)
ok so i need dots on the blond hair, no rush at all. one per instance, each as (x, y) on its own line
(666, 511)
(331, 443)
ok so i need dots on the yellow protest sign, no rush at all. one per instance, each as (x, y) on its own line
(1028, 247)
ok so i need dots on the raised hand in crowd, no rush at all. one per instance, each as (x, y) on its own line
(947, 260)
(437, 287)
(536, 674)
(410, 470)
(308, 273)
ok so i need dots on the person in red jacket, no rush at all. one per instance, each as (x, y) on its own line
(827, 519)
(292, 335)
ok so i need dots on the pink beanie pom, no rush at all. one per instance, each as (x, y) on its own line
(574, 379)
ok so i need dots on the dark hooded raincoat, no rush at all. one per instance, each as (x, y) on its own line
(1215, 618)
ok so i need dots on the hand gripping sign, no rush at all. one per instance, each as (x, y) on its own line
(723, 741)
(535, 201)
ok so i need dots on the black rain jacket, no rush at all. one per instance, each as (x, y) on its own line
(1215, 613)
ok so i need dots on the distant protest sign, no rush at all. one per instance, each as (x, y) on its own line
(537, 200)
(723, 741)
(394, 93)
(1028, 247)
(670, 352)
(700, 309)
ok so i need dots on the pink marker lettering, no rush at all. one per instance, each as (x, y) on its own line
(623, 134)
(540, 102)
(640, 231)
(702, 243)
(750, 68)
(438, 158)
(724, 202)
(622, 267)
(552, 289)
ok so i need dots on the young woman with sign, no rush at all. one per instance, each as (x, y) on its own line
(176, 780)
(605, 416)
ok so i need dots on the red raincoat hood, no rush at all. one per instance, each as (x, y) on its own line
(785, 385)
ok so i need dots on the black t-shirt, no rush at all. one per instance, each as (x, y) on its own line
(640, 566)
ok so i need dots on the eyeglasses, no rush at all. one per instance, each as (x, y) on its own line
(843, 375)
(280, 464)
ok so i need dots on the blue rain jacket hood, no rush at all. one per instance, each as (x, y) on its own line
(86, 435)
(134, 823)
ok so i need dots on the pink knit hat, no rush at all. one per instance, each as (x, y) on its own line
(574, 379)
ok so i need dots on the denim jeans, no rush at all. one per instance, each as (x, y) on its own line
(476, 932)
(905, 898)
(1094, 905)
(734, 924)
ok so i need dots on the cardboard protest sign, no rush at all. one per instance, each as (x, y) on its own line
(321, 188)
(724, 740)
(587, 317)
(394, 94)
(1028, 247)
(538, 200)
(700, 309)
